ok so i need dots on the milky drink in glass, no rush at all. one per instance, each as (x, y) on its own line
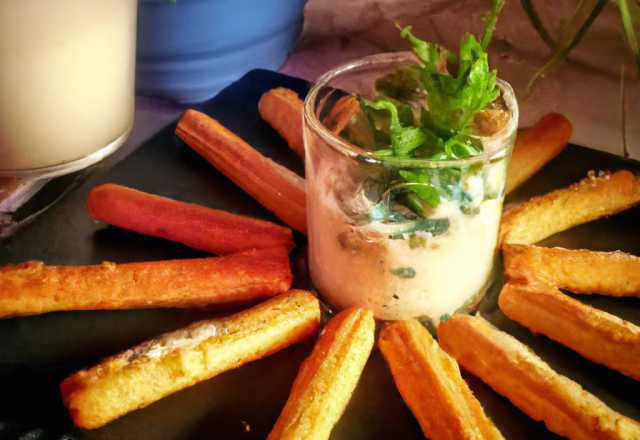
(67, 71)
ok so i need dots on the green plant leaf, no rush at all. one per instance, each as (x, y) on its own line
(527, 5)
(572, 32)
(452, 100)
(630, 14)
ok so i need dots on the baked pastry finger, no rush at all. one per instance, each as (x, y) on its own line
(282, 109)
(429, 382)
(535, 146)
(199, 227)
(587, 200)
(154, 369)
(341, 113)
(274, 186)
(514, 371)
(33, 288)
(327, 377)
(580, 271)
(596, 335)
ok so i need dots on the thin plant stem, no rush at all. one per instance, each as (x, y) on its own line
(623, 114)
(528, 7)
(562, 52)
(486, 38)
(627, 9)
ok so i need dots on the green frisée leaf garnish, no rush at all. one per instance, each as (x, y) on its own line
(403, 139)
(445, 317)
(453, 101)
(426, 192)
(416, 241)
(381, 137)
(424, 112)
(403, 85)
(434, 226)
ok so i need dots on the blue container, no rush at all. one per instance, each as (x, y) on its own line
(188, 50)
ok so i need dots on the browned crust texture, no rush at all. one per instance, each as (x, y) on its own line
(594, 334)
(282, 109)
(537, 145)
(144, 374)
(514, 371)
(587, 200)
(274, 186)
(327, 378)
(580, 271)
(199, 227)
(430, 383)
(341, 113)
(34, 288)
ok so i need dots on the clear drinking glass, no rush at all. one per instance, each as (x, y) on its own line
(66, 85)
(365, 249)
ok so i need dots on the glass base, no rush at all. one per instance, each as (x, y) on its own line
(27, 193)
(67, 167)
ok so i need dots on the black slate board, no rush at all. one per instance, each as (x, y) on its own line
(38, 352)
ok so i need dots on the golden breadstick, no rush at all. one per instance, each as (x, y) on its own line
(282, 109)
(430, 383)
(327, 377)
(557, 211)
(154, 369)
(537, 145)
(596, 335)
(580, 271)
(514, 371)
(32, 288)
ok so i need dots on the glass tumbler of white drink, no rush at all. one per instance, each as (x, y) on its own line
(66, 86)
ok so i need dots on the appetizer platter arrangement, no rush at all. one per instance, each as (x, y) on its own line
(49, 360)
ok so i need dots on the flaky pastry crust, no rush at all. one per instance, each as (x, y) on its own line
(154, 369)
(33, 288)
(596, 335)
(587, 200)
(580, 271)
(327, 378)
(430, 384)
(514, 371)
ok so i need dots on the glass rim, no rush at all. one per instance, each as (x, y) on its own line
(400, 162)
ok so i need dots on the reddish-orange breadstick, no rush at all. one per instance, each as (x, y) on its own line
(202, 228)
(33, 288)
(429, 382)
(275, 187)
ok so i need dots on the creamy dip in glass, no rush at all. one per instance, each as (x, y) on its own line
(364, 252)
